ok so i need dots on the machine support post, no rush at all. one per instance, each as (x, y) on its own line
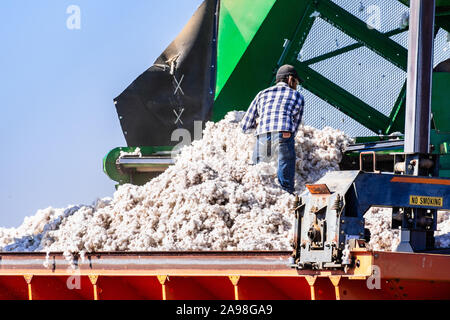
(418, 112)
(420, 69)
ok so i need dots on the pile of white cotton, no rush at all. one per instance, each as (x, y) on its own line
(212, 198)
(383, 238)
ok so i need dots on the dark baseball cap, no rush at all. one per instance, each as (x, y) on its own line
(286, 71)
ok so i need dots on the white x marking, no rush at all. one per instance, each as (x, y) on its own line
(178, 87)
(178, 116)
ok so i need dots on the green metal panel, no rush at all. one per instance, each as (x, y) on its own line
(441, 101)
(441, 143)
(298, 39)
(440, 137)
(254, 68)
(397, 116)
(239, 21)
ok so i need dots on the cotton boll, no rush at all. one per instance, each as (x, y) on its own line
(404, 20)
(136, 153)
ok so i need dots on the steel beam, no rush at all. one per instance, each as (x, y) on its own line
(342, 99)
(397, 115)
(298, 39)
(357, 29)
(420, 69)
(348, 48)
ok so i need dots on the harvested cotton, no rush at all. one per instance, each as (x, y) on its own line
(137, 153)
(212, 198)
(443, 232)
(404, 20)
(383, 238)
(379, 223)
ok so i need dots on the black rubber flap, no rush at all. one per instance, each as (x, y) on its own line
(178, 89)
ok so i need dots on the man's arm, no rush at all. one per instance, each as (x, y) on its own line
(249, 120)
(298, 114)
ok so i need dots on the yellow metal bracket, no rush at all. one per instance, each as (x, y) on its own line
(28, 278)
(311, 281)
(335, 281)
(235, 280)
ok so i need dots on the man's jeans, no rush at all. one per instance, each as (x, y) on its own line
(273, 147)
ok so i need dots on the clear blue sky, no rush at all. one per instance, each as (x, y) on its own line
(57, 87)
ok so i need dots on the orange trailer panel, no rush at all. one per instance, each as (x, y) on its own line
(221, 276)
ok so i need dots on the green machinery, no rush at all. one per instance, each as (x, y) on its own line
(352, 55)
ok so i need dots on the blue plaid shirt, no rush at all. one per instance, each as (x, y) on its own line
(279, 108)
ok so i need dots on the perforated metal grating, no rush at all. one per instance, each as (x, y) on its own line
(320, 114)
(323, 38)
(441, 45)
(390, 12)
(363, 73)
(359, 71)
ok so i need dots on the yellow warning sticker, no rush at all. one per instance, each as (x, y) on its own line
(426, 201)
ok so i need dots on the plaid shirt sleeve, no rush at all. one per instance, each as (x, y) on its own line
(249, 120)
(298, 113)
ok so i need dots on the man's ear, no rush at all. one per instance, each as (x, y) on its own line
(290, 81)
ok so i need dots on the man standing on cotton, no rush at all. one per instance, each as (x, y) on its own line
(276, 113)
